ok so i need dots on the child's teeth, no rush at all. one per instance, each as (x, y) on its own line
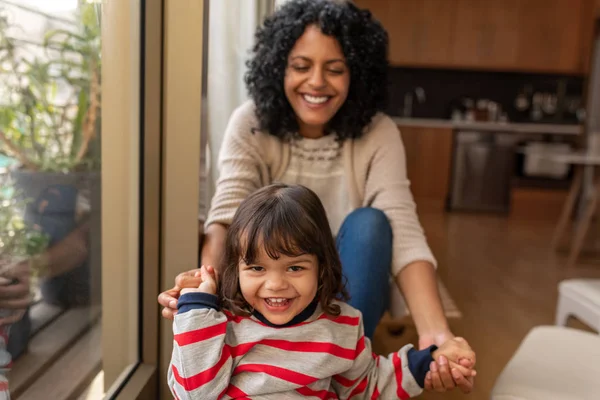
(277, 301)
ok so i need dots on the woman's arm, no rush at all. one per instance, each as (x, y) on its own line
(387, 188)
(213, 246)
(418, 283)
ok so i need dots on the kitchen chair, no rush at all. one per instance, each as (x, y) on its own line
(579, 298)
(582, 162)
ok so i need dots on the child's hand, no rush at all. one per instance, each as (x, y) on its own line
(209, 283)
(459, 354)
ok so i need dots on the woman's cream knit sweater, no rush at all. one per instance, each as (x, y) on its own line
(375, 166)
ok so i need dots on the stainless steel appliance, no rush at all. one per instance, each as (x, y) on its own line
(482, 167)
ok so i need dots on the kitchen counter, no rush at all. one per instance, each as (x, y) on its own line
(500, 127)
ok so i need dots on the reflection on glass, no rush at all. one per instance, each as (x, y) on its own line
(50, 197)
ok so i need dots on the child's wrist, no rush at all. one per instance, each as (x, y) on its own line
(196, 290)
(197, 299)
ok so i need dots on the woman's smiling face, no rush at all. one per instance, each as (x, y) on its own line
(317, 80)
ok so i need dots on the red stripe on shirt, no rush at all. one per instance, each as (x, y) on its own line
(278, 372)
(236, 393)
(321, 394)
(345, 381)
(195, 381)
(360, 346)
(303, 347)
(199, 335)
(375, 394)
(345, 320)
(400, 392)
(360, 388)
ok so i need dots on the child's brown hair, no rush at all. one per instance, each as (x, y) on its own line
(284, 219)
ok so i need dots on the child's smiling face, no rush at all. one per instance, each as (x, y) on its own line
(279, 288)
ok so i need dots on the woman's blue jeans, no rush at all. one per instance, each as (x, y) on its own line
(364, 243)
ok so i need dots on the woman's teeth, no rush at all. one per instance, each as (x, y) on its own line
(277, 302)
(315, 99)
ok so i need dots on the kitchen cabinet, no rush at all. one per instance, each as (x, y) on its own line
(421, 30)
(486, 34)
(555, 35)
(428, 159)
(540, 204)
(548, 36)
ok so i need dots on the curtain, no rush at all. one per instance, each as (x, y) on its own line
(231, 28)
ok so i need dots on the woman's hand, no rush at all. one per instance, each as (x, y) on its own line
(438, 339)
(168, 298)
(440, 378)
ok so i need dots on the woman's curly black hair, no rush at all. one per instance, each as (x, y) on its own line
(364, 43)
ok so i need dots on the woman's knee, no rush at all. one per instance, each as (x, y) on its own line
(372, 223)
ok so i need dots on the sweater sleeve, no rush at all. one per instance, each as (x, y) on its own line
(241, 164)
(387, 188)
(201, 362)
(397, 376)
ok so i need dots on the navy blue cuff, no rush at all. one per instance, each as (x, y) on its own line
(196, 301)
(418, 363)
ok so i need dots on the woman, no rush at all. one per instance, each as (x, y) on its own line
(317, 83)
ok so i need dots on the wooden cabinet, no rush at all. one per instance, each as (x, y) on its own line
(550, 36)
(486, 34)
(428, 162)
(426, 40)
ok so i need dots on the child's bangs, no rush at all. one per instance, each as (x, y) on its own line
(277, 233)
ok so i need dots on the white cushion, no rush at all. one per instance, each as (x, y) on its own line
(587, 290)
(552, 363)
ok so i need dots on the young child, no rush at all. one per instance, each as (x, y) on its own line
(279, 327)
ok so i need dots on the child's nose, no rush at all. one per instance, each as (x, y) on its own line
(275, 283)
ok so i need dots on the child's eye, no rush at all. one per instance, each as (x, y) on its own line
(295, 268)
(256, 268)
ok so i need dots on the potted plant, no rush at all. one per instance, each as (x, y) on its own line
(50, 117)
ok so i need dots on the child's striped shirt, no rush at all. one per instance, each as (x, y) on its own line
(217, 355)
